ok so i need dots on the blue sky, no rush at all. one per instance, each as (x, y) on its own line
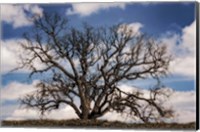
(157, 19)
(171, 23)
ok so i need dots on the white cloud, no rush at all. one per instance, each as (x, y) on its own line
(189, 38)
(10, 56)
(184, 65)
(183, 49)
(15, 90)
(62, 113)
(182, 102)
(86, 9)
(184, 105)
(8, 110)
(21, 114)
(132, 28)
(16, 14)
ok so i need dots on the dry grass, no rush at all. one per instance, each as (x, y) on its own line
(95, 124)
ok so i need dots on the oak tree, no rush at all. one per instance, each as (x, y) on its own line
(85, 66)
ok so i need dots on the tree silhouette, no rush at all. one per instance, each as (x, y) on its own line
(85, 66)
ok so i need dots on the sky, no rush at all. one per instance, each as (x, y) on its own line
(171, 23)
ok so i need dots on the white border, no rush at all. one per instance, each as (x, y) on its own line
(77, 1)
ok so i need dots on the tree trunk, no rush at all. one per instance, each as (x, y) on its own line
(93, 116)
(85, 107)
(85, 114)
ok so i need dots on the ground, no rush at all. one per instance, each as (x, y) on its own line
(96, 124)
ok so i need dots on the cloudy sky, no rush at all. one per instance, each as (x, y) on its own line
(171, 23)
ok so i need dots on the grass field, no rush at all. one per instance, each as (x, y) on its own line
(95, 124)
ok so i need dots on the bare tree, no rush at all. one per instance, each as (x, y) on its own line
(85, 67)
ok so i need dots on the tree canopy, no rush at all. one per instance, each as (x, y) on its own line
(86, 65)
